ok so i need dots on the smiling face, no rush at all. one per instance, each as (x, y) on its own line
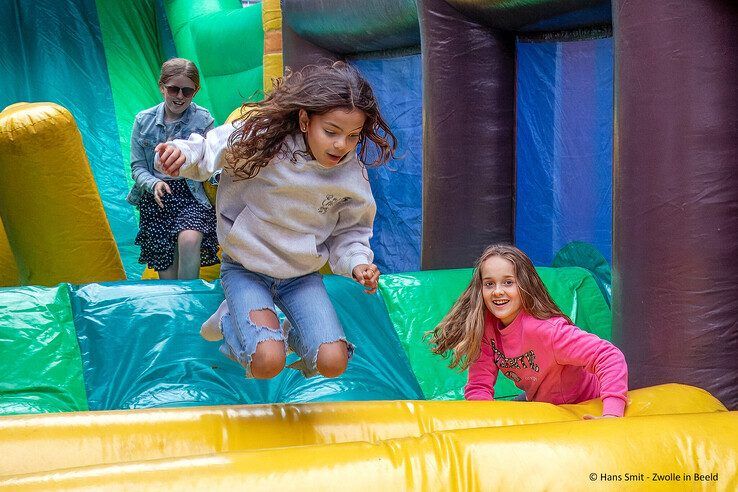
(500, 289)
(332, 135)
(176, 103)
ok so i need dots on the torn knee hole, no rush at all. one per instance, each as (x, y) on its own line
(264, 317)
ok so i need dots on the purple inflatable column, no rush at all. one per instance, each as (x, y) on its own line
(675, 205)
(468, 136)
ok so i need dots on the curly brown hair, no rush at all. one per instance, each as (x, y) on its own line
(318, 89)
(462, 329)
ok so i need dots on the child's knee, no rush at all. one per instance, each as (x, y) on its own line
(268, 360)
(264, 317)
(189, 240)
(332, 359)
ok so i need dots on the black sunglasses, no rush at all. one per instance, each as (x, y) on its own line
(173, 90)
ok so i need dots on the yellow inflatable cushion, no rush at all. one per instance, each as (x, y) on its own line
(58, 233)
(31, 443)
(668, 452)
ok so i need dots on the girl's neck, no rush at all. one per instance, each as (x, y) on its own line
(504, 327)
(170, 117)
(307, 146)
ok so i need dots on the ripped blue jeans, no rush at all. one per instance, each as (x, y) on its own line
(303, 300)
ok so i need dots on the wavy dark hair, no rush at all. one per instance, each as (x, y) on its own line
(462, 329)
(318, 89)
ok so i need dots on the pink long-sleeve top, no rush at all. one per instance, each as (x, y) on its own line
(552, 361)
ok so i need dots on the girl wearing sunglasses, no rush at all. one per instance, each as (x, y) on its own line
(177, 231)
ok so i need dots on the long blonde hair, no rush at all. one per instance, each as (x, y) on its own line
(461, 330)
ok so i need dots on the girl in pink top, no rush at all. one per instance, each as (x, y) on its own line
(506, 321)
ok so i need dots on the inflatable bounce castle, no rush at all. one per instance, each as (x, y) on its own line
(598, 136)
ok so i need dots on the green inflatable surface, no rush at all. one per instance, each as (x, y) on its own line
(226, 41)
(586, 256)
(130, 35)
(40, 366)
(137, 344)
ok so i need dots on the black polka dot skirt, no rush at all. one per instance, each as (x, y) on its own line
(159, 227)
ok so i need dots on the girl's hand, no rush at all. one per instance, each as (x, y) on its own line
(595, 417)
(159, 189)
(368, 276)
(170, 158)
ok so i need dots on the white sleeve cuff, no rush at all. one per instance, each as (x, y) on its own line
(357, 259)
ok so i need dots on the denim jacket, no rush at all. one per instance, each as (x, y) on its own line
(148, 131)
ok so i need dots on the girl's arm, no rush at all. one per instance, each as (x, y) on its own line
(139, 169)
(215, 177)
(480, 384)
(348, 245)
(574, 346)
(197, 157)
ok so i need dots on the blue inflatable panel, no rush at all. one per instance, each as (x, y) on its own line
(141, 348)
(397, 186)
(564, 147)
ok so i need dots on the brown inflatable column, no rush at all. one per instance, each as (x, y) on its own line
(675, 205)
(299, 52)
(468, 136)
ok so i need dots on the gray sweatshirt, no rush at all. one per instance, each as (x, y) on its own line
(294, 215)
